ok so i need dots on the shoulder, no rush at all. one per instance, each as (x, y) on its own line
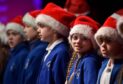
(90, 57)
(23, 52)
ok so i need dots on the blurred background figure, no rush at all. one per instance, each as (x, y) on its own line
(36, 46)
(78, 7)
(18, 51)
(4, 49)
(61, 3)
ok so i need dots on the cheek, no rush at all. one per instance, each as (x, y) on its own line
(27, 30)
(32, 33)
(72, 42)
(24, 29)
(17, 39)
(43, 31)
(45, 36)
(38, 30)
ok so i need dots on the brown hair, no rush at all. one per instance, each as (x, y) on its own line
(120, 76)
(4, 53)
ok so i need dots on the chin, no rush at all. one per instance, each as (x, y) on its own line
(105, 56)
(77, 51)
(44, 40)
(11, 46)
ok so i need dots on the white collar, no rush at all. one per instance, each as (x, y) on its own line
(50, 47)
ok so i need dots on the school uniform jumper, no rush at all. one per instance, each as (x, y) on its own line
(85, 69)
(53, 68)
(32, 64)
(15, 64)
(116, 68)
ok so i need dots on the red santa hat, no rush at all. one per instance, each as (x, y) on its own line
(17, 25)
(109, 28)
(86, 26)
(29, 18)
(78, 7)
(3, 36)
(56, 18)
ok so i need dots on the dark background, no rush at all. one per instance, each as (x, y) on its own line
(100, 9)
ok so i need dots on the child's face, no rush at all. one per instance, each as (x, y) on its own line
(30, 33)
(45, 33)
(14, 38)
(80, 44)
(110, 48)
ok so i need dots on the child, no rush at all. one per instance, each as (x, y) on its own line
(120, 31)
(18, 53)
(111, 47)
(85, 58)
(30, 29)
(78, 7)
(53, 27)
(37, 49)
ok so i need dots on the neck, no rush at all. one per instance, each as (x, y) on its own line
(52, 41)
(111, 61)
(79, 55)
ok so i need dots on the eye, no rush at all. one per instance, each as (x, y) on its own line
(41, 25)
(100, 39)
(78, 36)
(15, 33)
(27, 26)
(83, 37)
(104, 39)
(108, 40)
(8, 33)
(74, 37)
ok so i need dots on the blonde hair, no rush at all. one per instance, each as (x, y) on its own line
(73, 58)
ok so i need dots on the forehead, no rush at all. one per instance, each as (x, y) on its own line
(77, 34)
(104, 38)
(12, 32)
(27, 25)
(41, 24)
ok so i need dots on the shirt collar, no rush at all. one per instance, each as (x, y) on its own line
(49, 48)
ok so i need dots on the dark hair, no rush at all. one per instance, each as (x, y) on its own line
(4, 55)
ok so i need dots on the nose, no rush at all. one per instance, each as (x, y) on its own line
(10, 37)
(24, 30)
(38, 30)
(78, 40)
(103, 44)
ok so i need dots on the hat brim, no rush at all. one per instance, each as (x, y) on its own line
(53, 23)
